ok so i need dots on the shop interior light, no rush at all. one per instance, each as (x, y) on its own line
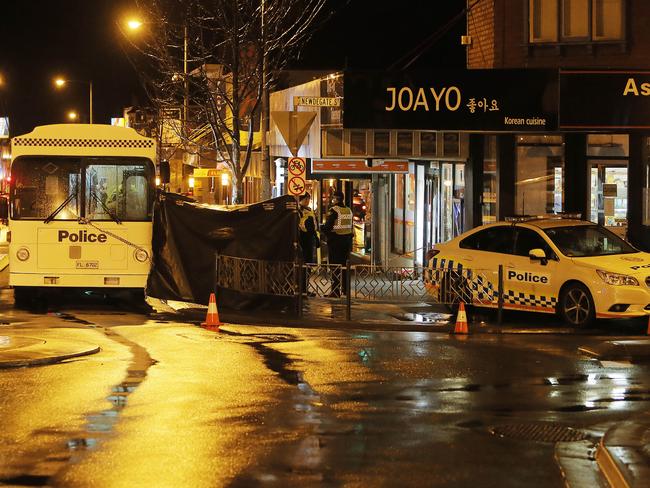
(191, 182)
(225, 179)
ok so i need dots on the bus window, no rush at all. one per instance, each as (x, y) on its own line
(119, 188)
(41, 185)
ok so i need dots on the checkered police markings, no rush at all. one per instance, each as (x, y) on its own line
(43, 142)
(519, 298)
(485, 292)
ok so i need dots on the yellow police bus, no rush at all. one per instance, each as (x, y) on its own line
(80, 209)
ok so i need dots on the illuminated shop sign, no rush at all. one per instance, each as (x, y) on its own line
(473, 100)
(4, 127)
(604, 100)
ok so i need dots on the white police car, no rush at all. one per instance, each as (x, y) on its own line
(572, 267)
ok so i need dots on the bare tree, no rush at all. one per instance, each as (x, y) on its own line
(208, 61)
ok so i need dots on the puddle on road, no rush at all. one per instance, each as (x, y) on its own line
(425, 318)
(101, 424)
(303, 458)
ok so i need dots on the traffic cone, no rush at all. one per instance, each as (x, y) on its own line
(461, 320)
(212, 321)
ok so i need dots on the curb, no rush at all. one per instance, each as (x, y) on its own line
(609, 467)
(36, 351)
(21, 363)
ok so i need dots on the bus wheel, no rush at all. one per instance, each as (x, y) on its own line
(24, 296)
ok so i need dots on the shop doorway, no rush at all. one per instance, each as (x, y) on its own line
(608, 194)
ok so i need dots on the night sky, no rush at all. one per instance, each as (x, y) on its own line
(81, 40)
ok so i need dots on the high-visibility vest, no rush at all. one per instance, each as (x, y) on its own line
(305, 214)
(343, 224)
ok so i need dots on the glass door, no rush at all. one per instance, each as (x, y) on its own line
(608, 194)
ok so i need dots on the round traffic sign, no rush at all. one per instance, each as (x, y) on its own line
(297, 185)
(296, 166)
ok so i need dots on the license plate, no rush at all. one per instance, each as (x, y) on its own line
(87, 264)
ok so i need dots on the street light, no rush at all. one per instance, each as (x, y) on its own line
(134, 24)
(72, 115)
(60, 82)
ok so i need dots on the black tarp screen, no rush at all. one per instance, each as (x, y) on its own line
(186, 237)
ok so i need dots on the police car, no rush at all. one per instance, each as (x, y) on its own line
(549, 264)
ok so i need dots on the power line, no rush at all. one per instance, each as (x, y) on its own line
(412, 56)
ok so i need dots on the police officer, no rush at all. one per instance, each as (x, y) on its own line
(339, 230)
(308, 236)
(308, 229)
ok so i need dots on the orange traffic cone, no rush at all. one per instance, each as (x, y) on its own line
(461, 320)
(212, 321)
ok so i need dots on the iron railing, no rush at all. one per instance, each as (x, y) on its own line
(365, 282)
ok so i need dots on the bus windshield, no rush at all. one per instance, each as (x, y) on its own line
(98, 188)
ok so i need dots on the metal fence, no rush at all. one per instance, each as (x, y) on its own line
(361, 282)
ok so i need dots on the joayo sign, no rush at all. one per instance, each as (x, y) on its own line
(477, 100)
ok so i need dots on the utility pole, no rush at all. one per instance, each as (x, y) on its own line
(265, 170)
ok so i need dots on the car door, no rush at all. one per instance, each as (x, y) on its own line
(533, 279)
(483, 252)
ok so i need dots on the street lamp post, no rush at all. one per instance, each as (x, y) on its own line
(61, 82)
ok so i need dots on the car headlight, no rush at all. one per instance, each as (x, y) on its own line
(617, 279)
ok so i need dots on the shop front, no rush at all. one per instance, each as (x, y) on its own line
(556, 141)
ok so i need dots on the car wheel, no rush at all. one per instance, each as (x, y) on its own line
(576, 306)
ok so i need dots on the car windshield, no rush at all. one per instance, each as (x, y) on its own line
(588, 240)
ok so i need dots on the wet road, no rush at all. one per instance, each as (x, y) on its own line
(169, 404)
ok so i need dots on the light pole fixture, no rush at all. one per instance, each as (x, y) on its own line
(60, 82)
(134, 24)
(73, 116)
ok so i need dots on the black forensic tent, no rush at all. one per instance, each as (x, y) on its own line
(187, 236)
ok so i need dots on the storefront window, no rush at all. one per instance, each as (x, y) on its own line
(539, 174)
(608, 145)
(450, 144)
(404, 214)
(489, 211)
(646, 184)
(334, 138)
(409, 221)
(398, 215)
(447, 206)
(358, 142)
(382, 143)
(404, 143)
(428, 143)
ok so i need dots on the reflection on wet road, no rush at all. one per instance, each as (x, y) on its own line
(169, 404)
